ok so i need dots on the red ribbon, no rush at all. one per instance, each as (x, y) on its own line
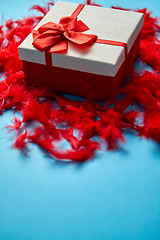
(53, 38)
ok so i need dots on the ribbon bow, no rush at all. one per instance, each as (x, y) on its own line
(52, 37)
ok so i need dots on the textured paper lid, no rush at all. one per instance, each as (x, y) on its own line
(106, 23)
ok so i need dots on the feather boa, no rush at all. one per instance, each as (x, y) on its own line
(48, 119)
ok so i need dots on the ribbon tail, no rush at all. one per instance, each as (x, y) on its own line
(59, 47)
(80, 38)
(80, 26)
(67, 20)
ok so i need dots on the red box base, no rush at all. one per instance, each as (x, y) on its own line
(80, 83)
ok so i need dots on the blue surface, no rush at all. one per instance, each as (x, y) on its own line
(114, 196)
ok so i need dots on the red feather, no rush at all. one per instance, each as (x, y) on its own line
(47, 118)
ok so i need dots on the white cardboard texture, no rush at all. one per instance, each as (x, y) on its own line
(106, 23)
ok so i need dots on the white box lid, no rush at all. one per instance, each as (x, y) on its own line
(106, 23)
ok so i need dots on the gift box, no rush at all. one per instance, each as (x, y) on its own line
(87, 53)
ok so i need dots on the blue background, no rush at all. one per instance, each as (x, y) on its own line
(114, 196)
